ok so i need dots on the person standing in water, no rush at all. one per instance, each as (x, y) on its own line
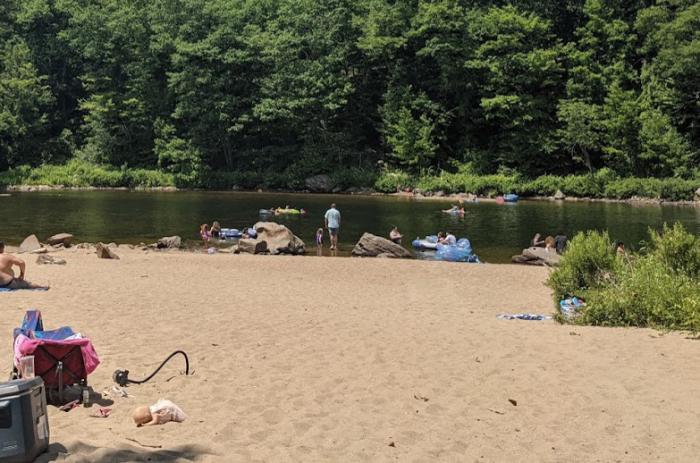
(332, 219)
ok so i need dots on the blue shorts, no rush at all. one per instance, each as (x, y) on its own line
(333, 231)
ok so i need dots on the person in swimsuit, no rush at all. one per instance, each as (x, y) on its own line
(319, 237)
(204, 233)
(7, 275)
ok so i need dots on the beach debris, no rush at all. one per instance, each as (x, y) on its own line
(420, 397)
(30, 243)
(119, 392)
(104, 252)
(169, 242)
(61, 238)
(523, 316)
(571, 307)
(477, 359)
(102, 412)
(392, 444)
(497, 412)
(574, 333)
(513, 402)
(144, 445)
(69, 406)
(44, 259)
(371, 245)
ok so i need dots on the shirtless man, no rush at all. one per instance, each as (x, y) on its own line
(7, 276)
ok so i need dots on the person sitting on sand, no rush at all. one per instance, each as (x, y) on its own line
(319, 237)
(537, 240)
(395, 235)
(204, 233)
(215, 229)
(161, 412)
(7, 275)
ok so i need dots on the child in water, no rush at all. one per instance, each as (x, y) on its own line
(319, 237)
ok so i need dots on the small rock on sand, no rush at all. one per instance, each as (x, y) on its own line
(44, 259)
(104, 252)
(169, 242)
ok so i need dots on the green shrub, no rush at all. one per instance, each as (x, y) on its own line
(589, 263)
(392, 181)
(677, 249)
(646, 294)
(353, 177)
(660, 288)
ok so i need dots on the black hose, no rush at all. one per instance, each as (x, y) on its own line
(187, 367)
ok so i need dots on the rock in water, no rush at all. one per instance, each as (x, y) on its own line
(104, 252)
(279, 239)
(251, 246)
(44, 259)
(559, 195)
(30, 243)
(62, 238)
(169, 242)
(537, 256)
(372, 246)
(319, 183)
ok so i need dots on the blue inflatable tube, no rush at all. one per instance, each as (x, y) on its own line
(511, 198)
(428, 243)
(459, 252)
(229, 233)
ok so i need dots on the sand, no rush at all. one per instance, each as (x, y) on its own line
(339, 359)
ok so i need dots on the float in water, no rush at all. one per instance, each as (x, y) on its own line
(461, 251)
(429, 243)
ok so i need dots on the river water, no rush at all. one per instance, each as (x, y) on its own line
(496, 231)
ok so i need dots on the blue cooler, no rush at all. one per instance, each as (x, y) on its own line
(24, 423)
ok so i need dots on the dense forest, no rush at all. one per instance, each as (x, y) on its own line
(300, 87)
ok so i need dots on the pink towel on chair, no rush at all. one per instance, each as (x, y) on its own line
(25, 346)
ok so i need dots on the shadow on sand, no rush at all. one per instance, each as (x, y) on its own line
(81, 452)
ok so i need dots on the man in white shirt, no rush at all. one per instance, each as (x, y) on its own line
(332, 219)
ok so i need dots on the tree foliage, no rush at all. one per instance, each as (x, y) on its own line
(306, 86)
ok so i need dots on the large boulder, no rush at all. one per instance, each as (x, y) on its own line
(62, 238)
(374, 246)
(169, 242)
(279, 239)
(104, 252)
(251, 246)
(319, 183)
(30, 243)
(537, 256)
(559, 195)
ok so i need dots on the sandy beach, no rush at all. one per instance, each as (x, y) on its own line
(346, 360)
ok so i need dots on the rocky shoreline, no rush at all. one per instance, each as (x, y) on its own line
(416, 195)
